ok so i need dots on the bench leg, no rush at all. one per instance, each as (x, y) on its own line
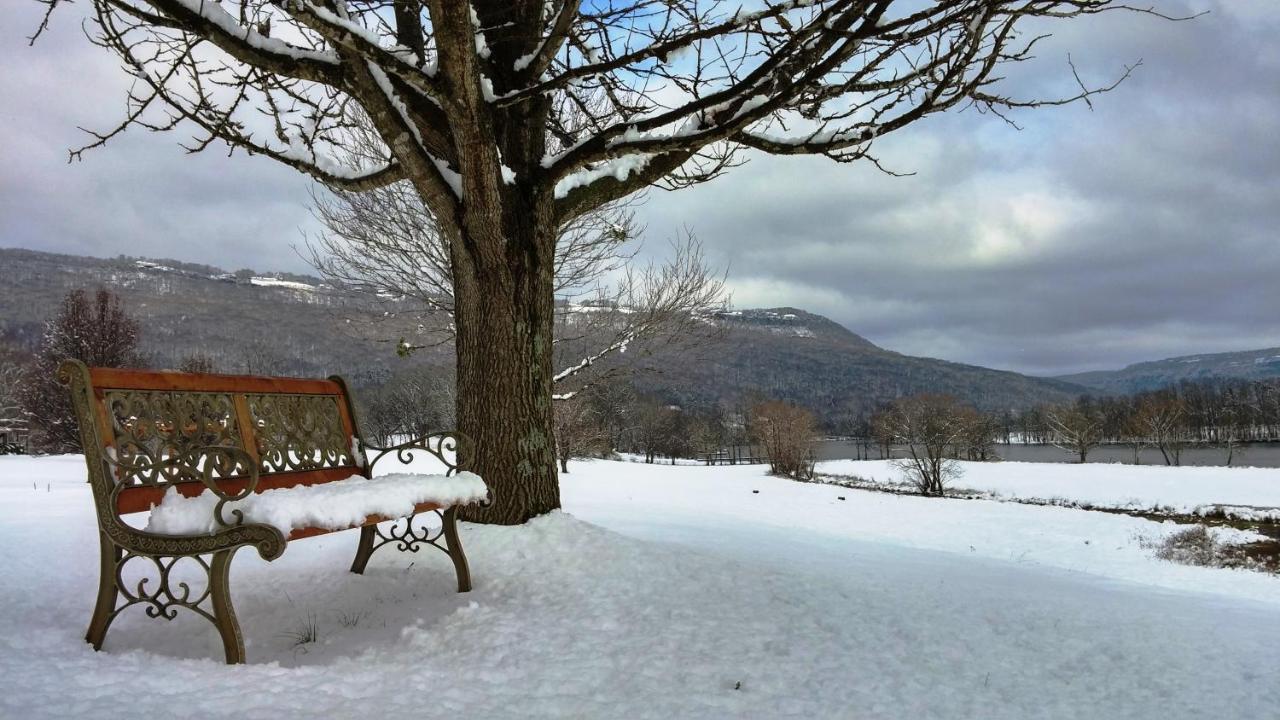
(224, 615)
(450, 519)
(108, 592)
(368, 534)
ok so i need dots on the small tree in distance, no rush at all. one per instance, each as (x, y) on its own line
(1077, 428)
(927, 426)
(95, 331)
(1162, 418)
(579, 431)
(787, 433)
(197, 363)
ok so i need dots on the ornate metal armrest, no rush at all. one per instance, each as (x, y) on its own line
(444, 442)
(208, 465)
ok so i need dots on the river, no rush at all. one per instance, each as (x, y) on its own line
(1255, 455)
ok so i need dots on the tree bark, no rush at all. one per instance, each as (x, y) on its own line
(504, 301)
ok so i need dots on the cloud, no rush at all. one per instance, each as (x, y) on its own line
(1143, 228)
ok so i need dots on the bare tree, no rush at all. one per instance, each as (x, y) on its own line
(96, 331)
(413, 402)
(787, 433)
(198, 362)
(979, 435)
(511, 119)
(655, 429)
(1162, 418)
(386, 244)
(883, 431)
(1077, 428)
(13, 425)
(578, 431)
(927, 426)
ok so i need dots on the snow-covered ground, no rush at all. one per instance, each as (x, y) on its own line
(1135, 487)
(663, 592)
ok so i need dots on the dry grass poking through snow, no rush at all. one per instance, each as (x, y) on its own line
(1198, 545)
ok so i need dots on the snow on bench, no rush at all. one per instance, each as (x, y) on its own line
(331, 506)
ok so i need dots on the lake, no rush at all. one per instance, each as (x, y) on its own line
(1255, 455)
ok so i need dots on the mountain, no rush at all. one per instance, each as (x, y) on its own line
(299, 325)
(808, 359)
(246, 322)
(1244, 365)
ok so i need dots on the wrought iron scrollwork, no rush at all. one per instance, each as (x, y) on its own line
(299, 432)
(409, 534)
(450, 448)
(206, 465)
(162, 598)
(149, 427)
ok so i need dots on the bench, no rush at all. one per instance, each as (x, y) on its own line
(233, 461)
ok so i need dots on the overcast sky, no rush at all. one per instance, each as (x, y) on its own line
(1145, 228)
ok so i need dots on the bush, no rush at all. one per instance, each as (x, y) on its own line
(1196, 545)
(787, 433)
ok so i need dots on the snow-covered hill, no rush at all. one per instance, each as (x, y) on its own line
(663, 592)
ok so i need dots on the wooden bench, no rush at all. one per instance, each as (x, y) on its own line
(150, 436)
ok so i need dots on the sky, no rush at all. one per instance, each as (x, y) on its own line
(1143, 228)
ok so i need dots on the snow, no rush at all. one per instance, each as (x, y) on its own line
(619, 168)
(278, 283)
(334, 505)
(1191, 490)
(214, 13)
(663, 592)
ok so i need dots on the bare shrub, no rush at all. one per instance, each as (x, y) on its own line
(787, 433)
(927, 426)
(1197, 545)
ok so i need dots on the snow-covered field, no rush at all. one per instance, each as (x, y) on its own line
(1188, 490)
(664, 592)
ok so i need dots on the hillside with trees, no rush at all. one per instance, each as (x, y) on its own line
(1261, 364)
(247, 322)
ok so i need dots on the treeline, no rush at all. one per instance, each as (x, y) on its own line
(615, 417)
(1207, 413)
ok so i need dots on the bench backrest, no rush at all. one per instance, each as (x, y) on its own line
(150, 424)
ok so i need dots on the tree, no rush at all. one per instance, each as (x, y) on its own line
(1076, 428)
(1162, 418)
(883, 431)
(197, 362)
(578, 430)
(512, 119)
(95, 331)
(655, 429)
(979, 435)
(13, 373)
(386, 244)
(787, 433)
(927, 426)
(413, 402)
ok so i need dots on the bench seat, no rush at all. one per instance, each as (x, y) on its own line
(338, 505)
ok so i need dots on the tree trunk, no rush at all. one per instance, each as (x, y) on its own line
(503, 307)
